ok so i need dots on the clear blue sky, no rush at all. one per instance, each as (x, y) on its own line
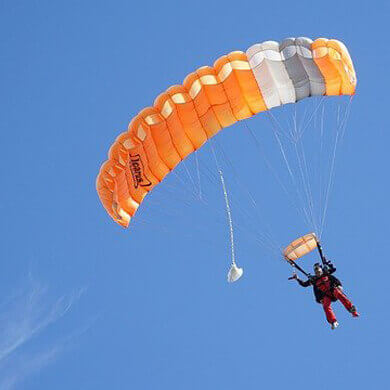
(85, 304)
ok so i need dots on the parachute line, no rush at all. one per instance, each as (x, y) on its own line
(190, 176)
(311, 116)
(265, 238)
(229, 215)
(292, 176)
(198, 175)
(228, 210)
(340, 131)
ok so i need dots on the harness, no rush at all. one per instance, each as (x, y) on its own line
(325, 285)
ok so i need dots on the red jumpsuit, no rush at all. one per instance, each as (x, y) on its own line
(327, 289)
(330, 294)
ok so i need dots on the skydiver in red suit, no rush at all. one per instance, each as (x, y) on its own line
(327, 289)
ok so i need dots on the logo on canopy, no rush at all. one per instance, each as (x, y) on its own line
(138, 172)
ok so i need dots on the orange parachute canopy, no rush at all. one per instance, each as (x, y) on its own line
(300, 247)
(184, 117)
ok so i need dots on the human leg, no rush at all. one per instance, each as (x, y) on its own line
(326, 304)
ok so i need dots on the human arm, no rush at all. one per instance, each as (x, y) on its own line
(303, 283)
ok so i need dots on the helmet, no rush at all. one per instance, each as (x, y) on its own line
(317, 265)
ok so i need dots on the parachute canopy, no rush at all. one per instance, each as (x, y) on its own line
(238, 86)
(300, 247)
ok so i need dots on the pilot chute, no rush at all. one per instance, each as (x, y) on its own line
(300, 247)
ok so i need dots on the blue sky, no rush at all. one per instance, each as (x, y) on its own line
(85, 304)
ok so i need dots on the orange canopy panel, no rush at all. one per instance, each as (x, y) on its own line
(185, 117)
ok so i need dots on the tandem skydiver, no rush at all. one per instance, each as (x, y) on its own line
(327, 289)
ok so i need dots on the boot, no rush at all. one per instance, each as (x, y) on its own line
(354, 312)
(334, 325)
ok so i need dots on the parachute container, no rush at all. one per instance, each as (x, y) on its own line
(300, 247)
